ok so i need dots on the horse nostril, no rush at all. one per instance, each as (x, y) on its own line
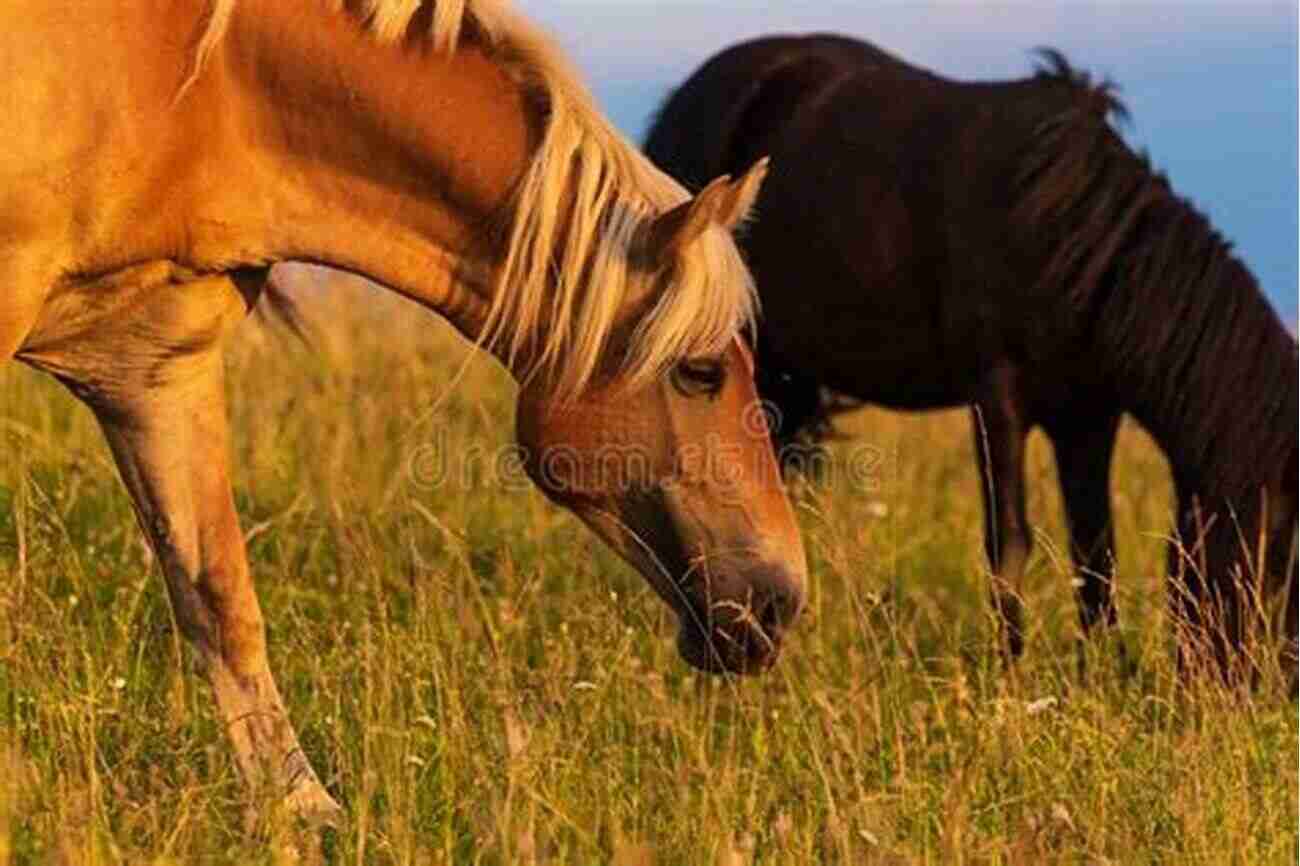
(779, 610)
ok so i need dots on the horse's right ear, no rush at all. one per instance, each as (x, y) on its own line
(723, 203)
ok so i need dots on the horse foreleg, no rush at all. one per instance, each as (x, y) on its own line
(1001, 427)
(1289, 654)
(170, 445)
(1084, 446)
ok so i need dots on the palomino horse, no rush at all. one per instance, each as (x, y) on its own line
(928, 243)
(160, 157)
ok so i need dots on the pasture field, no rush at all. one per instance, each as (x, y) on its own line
(479, 681)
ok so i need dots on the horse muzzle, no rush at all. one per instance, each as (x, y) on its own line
(741, 634)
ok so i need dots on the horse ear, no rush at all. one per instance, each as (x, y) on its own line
(723, 203)
(742, 195)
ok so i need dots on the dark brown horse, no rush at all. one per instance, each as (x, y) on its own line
(926, 243)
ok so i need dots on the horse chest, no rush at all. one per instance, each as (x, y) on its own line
(133, 329)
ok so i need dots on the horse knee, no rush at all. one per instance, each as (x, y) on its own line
(225, 628)
(194, 618)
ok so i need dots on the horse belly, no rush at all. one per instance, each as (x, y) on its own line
(870, 355)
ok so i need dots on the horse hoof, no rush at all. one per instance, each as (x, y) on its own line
(312, 804)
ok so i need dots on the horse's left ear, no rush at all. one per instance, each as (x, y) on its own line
(723, 203)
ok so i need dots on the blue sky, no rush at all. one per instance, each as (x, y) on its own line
(1211, 85)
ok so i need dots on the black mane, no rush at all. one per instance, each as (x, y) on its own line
(1101, 99)
(1167, 307)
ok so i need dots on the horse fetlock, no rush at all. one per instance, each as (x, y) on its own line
(1097, 610)
(1010, 612)
(265, 743)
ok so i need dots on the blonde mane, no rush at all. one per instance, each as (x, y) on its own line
(570, 266)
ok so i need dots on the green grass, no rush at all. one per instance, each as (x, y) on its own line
(479, 681)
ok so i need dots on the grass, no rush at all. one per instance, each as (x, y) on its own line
(479, 681)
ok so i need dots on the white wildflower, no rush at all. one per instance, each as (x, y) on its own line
(1033, 708)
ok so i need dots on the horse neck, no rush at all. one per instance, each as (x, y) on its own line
(390, 161)
(1207, 367)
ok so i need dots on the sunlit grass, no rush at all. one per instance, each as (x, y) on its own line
(478, 680)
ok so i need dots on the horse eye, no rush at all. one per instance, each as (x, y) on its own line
(699, 377)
